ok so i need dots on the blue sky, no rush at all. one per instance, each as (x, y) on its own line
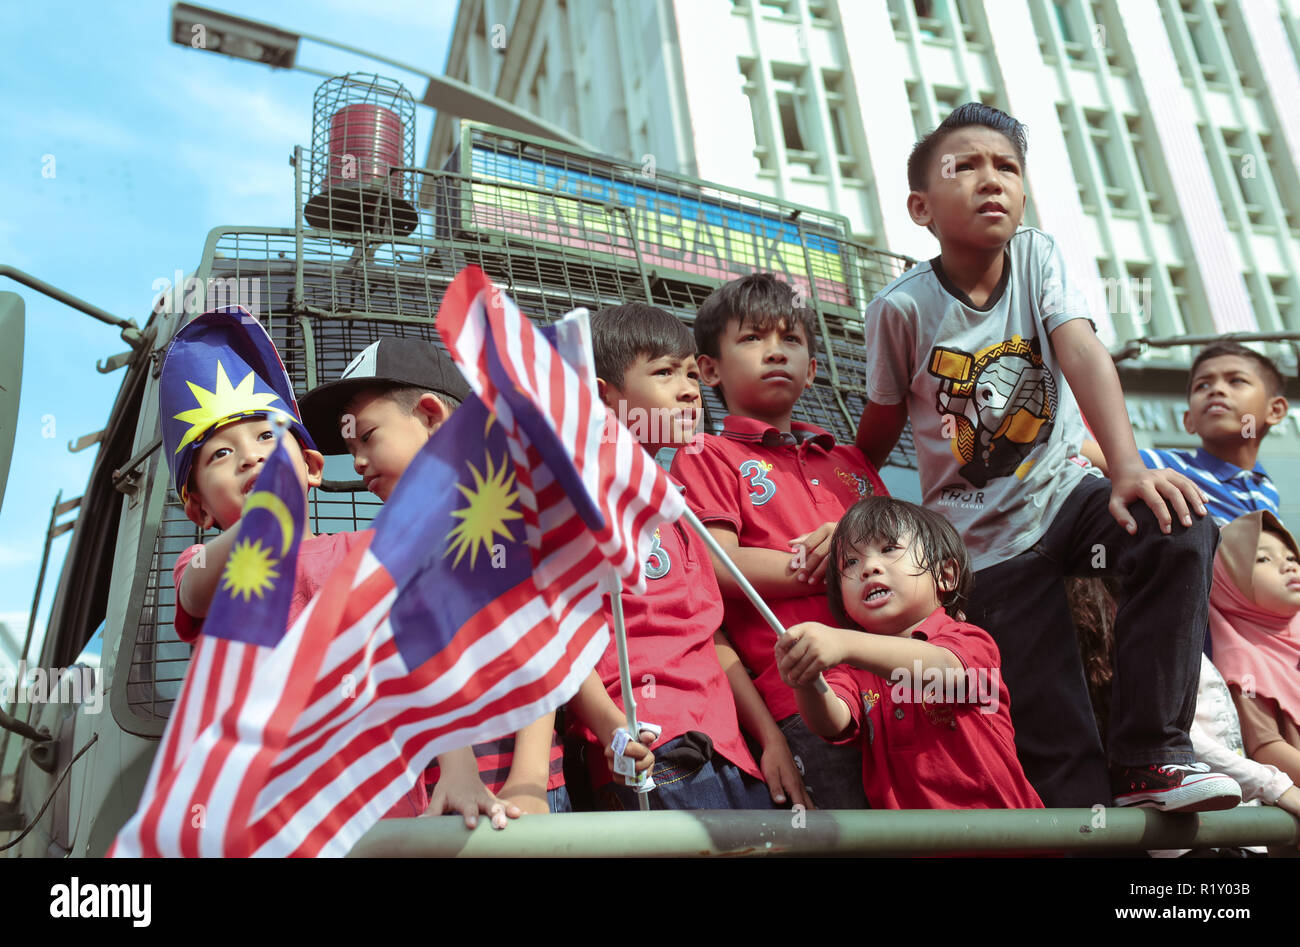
(152, 145)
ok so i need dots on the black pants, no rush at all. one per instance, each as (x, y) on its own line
(1159, 629)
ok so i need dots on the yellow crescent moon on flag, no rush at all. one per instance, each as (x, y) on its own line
(274, 505)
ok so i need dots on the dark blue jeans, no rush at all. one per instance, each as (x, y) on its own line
(1159, 629)
(717, 784)
(831, 774)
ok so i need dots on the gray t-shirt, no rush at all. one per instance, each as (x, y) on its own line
(995, 424)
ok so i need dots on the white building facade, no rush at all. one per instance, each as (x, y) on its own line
(1164, 136)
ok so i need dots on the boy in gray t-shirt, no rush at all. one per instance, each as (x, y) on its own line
(982, 347)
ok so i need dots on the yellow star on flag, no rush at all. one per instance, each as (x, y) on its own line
(491, 503)
(250, 570)
(224, 401)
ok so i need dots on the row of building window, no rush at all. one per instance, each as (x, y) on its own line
(796, 121)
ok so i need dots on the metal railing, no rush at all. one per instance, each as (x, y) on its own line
(779, 832)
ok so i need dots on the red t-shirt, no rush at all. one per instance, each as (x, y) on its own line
(678, 682)
(317, 558)
(772, 487)
(924, 752)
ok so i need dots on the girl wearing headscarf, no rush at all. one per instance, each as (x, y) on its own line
(1255, 627)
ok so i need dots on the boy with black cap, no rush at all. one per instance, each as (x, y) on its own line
(386, 405)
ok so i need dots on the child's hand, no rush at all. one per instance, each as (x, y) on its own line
(638, 750)
(466, 794)
(806, 650)
(812, 554)
(782, 775)
(1153, 487)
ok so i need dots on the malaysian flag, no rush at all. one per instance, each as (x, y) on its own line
(472, 607)
(247, 618)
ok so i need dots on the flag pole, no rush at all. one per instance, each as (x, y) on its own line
(614, 586)
(750, 593)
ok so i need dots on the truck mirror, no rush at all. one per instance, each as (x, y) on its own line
(12, 321)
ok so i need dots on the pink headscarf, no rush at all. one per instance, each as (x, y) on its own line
(1253, 648)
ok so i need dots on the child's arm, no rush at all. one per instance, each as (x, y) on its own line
(776, 761)
(826, 715)
(810, 648)
(1091, 374)
(199, 585)
(459, 789)
(530, 767)
(774, 574)
(597, 710)
(1259, 731)
(1092, 450)
(879, 430)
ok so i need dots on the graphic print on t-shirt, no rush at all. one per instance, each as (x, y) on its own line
(657, 563)
(857, 482)
(756, 471)
(997, 405)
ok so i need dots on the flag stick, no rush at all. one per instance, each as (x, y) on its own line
(615, 587)
(750, 593)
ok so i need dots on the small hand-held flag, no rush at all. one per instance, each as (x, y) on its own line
(247, 618)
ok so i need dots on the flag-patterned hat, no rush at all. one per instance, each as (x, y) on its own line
(221, 367)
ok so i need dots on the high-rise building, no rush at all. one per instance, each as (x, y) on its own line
(1164, 135)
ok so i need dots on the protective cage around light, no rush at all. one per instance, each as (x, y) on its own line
(362, 150)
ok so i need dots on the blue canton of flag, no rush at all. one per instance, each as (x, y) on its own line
(462, 489)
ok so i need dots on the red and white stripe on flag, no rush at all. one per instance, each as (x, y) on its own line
(632, 491)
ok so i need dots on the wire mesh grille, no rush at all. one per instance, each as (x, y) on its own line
(557, 231)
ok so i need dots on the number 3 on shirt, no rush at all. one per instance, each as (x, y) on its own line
(658, 563)
(755, 471)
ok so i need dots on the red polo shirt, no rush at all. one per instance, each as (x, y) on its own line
(678, 682)
(936, 748)
(772, 487)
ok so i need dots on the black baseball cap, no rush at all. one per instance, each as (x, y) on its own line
(407, 362)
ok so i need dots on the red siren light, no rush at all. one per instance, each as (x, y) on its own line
(363, 143)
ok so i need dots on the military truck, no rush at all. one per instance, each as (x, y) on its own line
(373, 246)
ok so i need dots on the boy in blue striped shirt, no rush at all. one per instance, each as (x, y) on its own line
(1234, 396)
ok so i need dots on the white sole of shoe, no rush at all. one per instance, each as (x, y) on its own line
(1205, 794)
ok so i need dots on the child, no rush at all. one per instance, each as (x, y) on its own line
(917, 687)
(385, 407)
(1254, 609)
(982, 347)
(221, 380)
(1234, 395)
(770, 490)
(693, 685)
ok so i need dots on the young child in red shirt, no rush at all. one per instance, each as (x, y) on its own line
(919, 689)
(770, 490)
(688, 679)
